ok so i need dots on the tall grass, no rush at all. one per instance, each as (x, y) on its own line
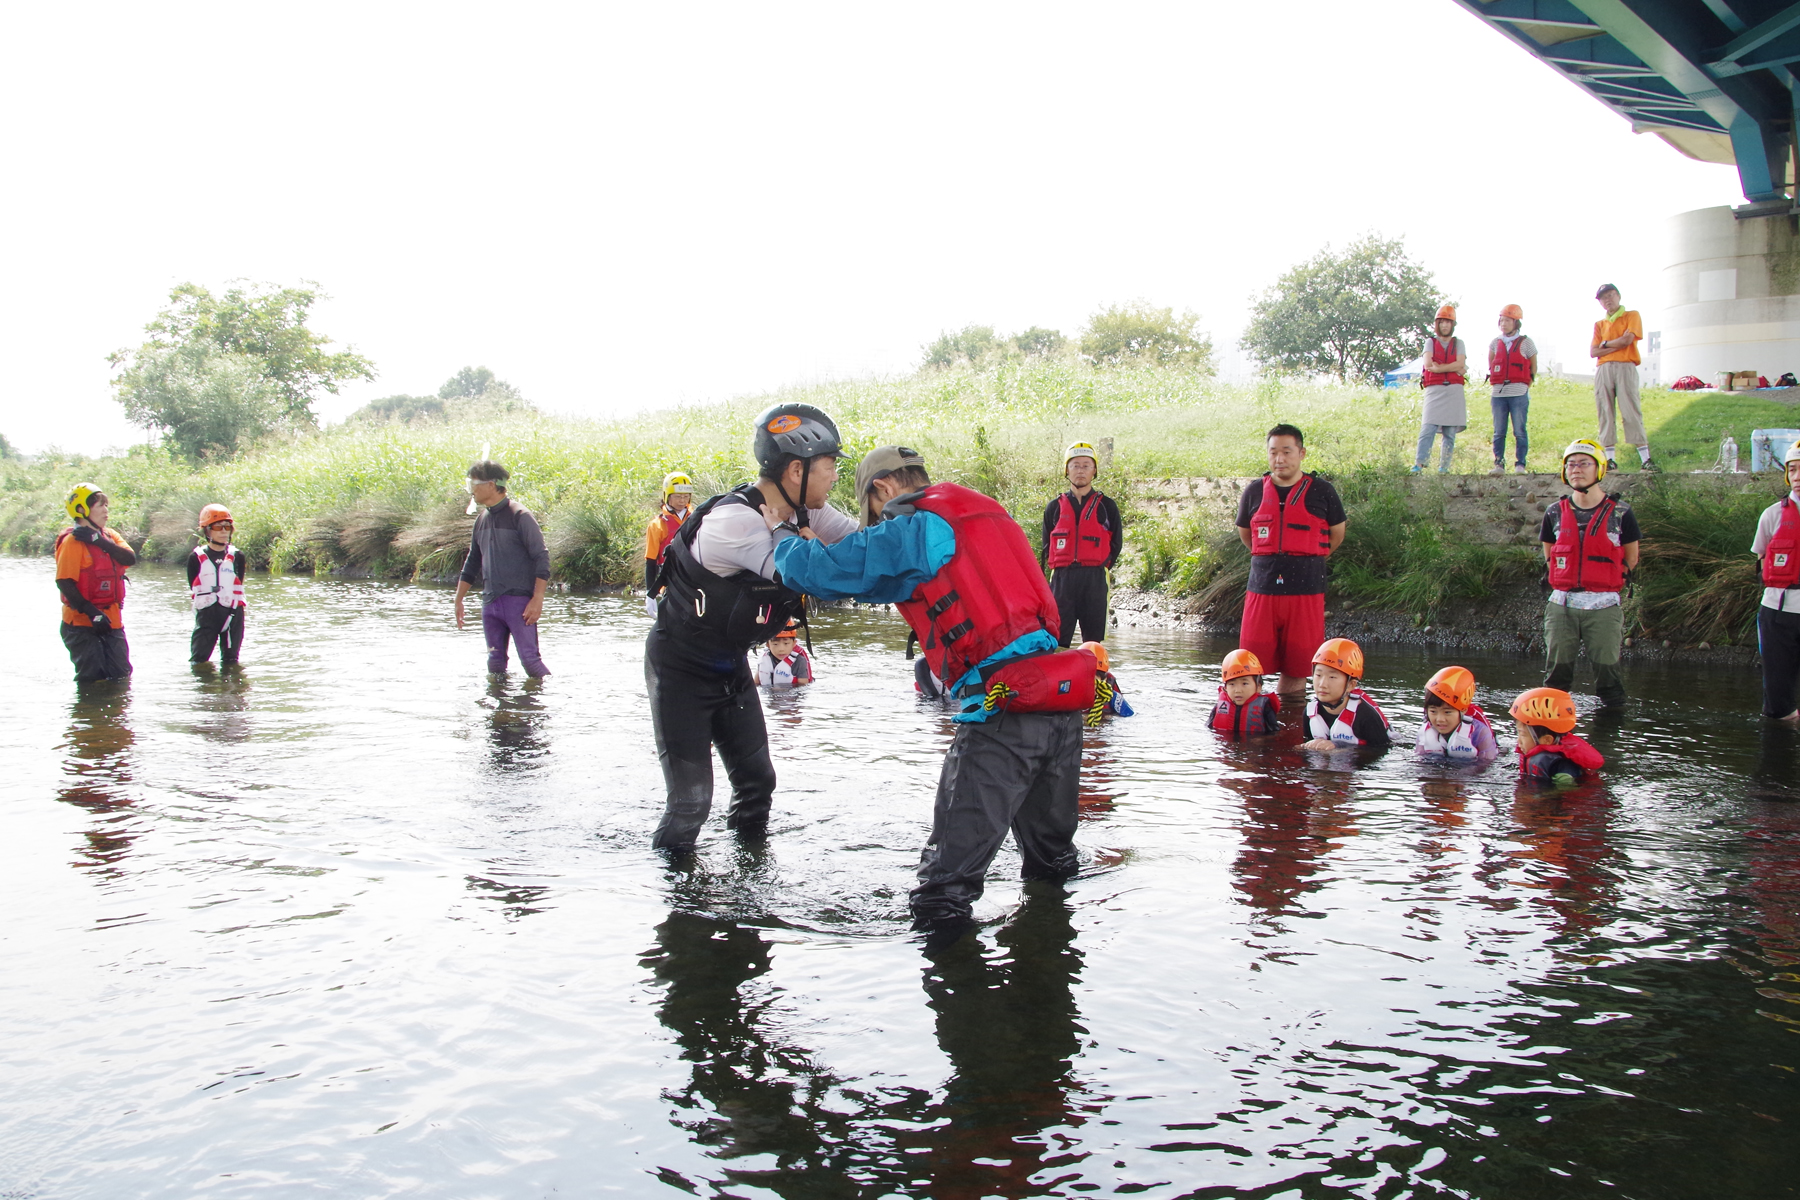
(1699, 581)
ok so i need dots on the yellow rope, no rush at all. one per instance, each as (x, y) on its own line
(1102, 696)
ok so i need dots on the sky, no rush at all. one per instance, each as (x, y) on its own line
(619, 207)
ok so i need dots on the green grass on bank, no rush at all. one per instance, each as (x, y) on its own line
(389, 498)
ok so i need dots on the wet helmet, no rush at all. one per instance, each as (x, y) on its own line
(1446, 312)
(1545, 708)
(1098, 650)
(794, 431)
(677, 481)
(80, 496)
(1076, 450)
(1238, 664)
(212, 514)
(1589, 447)
(1340, 654)
(1513, 311)
(790, 630)
(1455, 686)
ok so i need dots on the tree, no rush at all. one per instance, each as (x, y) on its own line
(1038, 342)
(1137, 332)
(255, 327)
(1355, 315)
(970, 344)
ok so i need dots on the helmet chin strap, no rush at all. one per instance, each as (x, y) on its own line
(800, 518)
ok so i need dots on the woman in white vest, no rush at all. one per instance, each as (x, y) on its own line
(215, 572)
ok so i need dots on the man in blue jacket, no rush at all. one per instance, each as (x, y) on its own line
(963, 575)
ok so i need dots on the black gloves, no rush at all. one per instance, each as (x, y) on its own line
(86, 534)
(1544, 579)
(102, 623)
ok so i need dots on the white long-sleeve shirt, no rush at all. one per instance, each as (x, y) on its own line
(734, 537)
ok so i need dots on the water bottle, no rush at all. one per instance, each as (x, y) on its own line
(1728, 454)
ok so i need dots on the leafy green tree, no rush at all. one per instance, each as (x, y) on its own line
(1038, 342)
(209, 403)
(476, 381)
(1138, 332)
(7, 449)
(404, 409)
(1355, 315)
(970, 344)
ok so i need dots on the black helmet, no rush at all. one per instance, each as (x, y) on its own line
(794, 431)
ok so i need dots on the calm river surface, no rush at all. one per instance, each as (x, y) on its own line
(360, 922)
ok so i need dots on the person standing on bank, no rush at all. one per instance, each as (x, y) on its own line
(961, 572)
(1590, 544)
(90, 573)
(1512, 365)
(1082, 540)
(1446, 406)
(507, 556)
(720, 597)
(1291, 520)
(215, 575)
(1777, 543)
(1615, 345)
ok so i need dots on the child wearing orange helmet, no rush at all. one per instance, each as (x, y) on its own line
(1243, 708)
(783, 662)
(1109, 697)
(215, 575)
(1549, 751)
(1341, 716)
(1455, 729)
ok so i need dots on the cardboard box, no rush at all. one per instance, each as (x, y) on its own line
(1743, 381)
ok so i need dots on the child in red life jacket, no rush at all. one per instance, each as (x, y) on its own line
(1549, 751)
(1243, 708)
(1109, 697)
(783, 664)
(1341, 716)
(1455, 729)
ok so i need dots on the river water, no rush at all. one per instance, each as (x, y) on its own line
(357, 921)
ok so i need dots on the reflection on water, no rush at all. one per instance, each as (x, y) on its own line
(382, 903)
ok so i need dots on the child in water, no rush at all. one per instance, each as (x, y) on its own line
(1455, 729)
(1340, 716)
(783, 664)
(1109, 697)
(1549, 751)
(1243, 708)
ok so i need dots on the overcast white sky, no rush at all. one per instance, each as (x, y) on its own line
(625, 206)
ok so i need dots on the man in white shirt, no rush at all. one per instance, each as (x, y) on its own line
(720, 597)
(1777, 544)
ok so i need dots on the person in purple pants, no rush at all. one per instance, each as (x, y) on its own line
(507, 556)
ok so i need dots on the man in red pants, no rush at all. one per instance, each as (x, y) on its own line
(1291, 520)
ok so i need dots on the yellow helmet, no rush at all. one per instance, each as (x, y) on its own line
(1081, 450)
(677, 481)
(1589, 447)
(79, 496)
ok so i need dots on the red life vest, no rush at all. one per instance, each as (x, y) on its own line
(102, 582)
(1582, 562)
(1079, 539)
(1508, 364)
(1781, 557)
(1543, 760)
(1341, 729)
(671, 521)
(1256, 716)
(988, 596)
(1440, 354)
(1286, 527)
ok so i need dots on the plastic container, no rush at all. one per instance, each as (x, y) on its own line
(1769, 446)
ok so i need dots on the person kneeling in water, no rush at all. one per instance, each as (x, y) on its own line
(1455, 728)
(1340, 716)
(1549, 751)
(1244, 709)
(783, 664)
(1109, 697)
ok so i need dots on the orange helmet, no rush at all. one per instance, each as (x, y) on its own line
(1455, 686)
(1340, 654)
(1099, 652)
(1446, 312)
(1513, 311)
(1546, 707)
(1238, 664)
(212, 514)
(790, 630)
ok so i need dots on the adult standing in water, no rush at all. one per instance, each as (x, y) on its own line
(1291, 520)
(507, 556)
(1590, 544)
(720, 597)
(1615, 346)
(1082, 540)
(90, 573)
(677, 499)
(1777, 543)
(215, 575)
(962, 574)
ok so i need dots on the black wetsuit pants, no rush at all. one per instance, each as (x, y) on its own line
(694, 712)
(1080, 596)
(1018, 771)
(220, 625)
(97, 653)
(1779, 635)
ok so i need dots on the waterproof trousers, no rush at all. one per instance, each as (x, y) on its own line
(503, 617)
(1778, 634)
(1602, 631)
(1080, 596)
(220, 625)
(694, 712)
(1284, 632)
(1018, 771)
(96, 653)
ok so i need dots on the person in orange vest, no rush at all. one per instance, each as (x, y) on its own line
(90, 573)
(1777, 544)
(215, 575)
(1082, 540)
(1615, 345)
(677, 501)
(1590, 542)
(1512, 365)
(1446, 407)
